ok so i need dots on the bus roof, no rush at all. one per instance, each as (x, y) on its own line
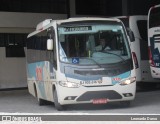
(46, 23)
(85, 19)
(131, 16)
(155, 6)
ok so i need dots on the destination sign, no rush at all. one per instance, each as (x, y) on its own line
(79, 28)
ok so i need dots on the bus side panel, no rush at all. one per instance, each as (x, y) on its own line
(41, 74)
(135, 46)
(139, 46)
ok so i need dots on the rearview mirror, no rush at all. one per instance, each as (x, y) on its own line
(90, 44)
(50, 44)
(130, 34)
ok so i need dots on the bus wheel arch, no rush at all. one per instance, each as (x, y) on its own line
(40, 101)
(35, 90)
(57, 105)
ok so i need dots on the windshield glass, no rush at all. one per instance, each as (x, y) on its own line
(154, 17)
(92, 43)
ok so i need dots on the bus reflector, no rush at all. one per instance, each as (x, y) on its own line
(150, 58)
(135, 60)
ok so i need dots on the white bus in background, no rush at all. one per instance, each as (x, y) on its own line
(154, 40)
(64, 66)
(14, 28)
(139, 47)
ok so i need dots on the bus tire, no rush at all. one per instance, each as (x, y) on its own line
(41, 102)
(125, 103)
(57, 105)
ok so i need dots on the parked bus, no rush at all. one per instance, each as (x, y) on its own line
(14, 28)
(139, 47)
(64, 66)
(154, 40)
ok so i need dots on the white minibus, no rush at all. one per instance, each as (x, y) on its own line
(64, 66)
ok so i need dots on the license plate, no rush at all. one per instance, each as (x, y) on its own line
(99, 101)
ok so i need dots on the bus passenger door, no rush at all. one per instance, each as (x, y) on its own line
(52, 64)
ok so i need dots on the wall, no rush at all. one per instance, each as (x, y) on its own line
(12, 69)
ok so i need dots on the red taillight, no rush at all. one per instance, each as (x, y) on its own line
(135, 59)
(150, 58)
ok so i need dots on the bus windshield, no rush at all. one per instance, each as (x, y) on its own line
(154, 17)
(91, 43)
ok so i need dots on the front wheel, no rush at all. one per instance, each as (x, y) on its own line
(58, 106)
(40, 101)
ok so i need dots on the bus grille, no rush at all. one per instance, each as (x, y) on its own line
(109, 94)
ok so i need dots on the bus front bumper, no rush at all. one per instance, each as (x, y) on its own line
(88, 94)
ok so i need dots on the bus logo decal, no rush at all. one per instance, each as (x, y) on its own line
(39, 73)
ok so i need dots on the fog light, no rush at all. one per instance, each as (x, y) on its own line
(127, 94)
(70, 98)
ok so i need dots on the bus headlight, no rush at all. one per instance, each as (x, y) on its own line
(69, 84)
(128, 81)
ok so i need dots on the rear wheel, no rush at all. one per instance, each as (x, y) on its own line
(58, 106)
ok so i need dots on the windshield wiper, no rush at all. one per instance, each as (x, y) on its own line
(113, 54)
(94, 61)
